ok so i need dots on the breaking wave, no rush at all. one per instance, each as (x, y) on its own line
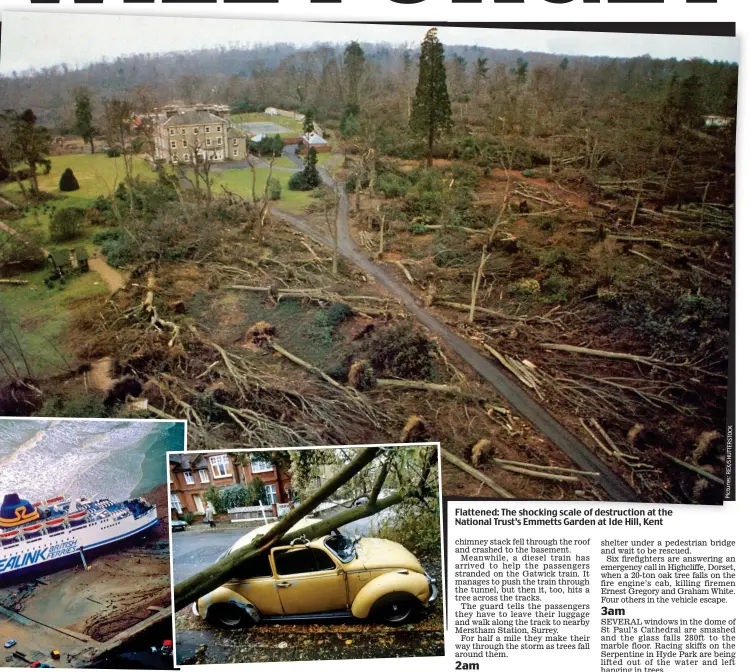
(44, 458)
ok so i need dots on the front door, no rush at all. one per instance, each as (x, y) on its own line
(308, 580)
(198, 504)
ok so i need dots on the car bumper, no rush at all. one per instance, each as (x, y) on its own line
(433, 590)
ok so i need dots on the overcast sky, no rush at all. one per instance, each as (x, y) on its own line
(36, 40)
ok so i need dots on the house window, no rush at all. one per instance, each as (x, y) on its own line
(218, 129)
(218, 141)
(173, 144)
(220, 466)
(219, 156)
(184, 130)
(176, 505)
(171, 131)
(174, 158)
(208, 142)
(185, 156)
(236, 152)
(203, 473)
(208, 130)
(259, 466)
(235, 142)
(195, 131)
(184, 143)
(271, 494)
(189, 478)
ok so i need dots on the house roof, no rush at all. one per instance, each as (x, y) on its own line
(233, 132)
(193, 118)
(81, 254)
(60, 257)
(314, 139)
(186, 462)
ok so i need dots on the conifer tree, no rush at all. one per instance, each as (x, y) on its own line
(431, 115)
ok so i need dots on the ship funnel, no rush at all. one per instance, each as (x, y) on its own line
(16, 511)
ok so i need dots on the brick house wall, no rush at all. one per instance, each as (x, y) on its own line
(191, 474)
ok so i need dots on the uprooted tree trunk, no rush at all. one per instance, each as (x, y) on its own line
(217, 574)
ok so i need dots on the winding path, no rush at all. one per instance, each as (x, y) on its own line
(536, 414)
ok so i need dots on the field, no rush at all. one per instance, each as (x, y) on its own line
(240, 182)
(41, 317)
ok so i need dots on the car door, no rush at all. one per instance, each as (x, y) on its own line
(308, 580)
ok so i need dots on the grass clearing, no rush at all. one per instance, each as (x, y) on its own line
(41, 316)
(240, 182)
(97, 175)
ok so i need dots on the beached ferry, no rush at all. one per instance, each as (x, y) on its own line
(46, 536)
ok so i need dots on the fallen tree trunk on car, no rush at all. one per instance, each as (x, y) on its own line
(220, 572)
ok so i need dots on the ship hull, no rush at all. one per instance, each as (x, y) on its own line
(53, 553)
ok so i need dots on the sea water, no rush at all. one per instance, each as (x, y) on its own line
(43, 458)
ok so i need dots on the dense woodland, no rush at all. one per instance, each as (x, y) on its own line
(570, 217)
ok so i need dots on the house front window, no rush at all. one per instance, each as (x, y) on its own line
(271, 497)
(203, 474)
(184, 130)
(173, 144)
(185, 156)
(171, 131)
(184, 143)
(218, 129)
(175, 501)
(208, 142)
(220, 466)
(260, 466)
(208, 130)
(189, 480)
(236, 152)
(195, 131)
(218, 141)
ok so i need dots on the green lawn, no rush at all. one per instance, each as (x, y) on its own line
(39, 316)
(97, 175)
(240, 182)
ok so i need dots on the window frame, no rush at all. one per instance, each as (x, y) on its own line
(297, 549)
(264, 469)
(215, 460)
(188, 476)
(200, 476)
(174, 498)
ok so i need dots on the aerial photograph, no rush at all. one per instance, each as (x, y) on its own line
(84, 542)
(516, 243)
(312, 554)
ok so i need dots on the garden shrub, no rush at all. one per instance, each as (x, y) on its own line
(274, 189)
(112, 152)
(68, 181)
(66, 224)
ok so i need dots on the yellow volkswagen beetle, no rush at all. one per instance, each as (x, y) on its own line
(334, 576)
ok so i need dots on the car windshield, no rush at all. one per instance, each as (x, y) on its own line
(344, 547)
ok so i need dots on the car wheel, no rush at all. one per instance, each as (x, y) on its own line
(395, 609)
(228, 616)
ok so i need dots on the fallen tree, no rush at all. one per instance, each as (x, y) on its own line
(220, 572)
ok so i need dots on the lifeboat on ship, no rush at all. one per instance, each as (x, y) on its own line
(32, 531)
(77, 518)
(55, 522)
